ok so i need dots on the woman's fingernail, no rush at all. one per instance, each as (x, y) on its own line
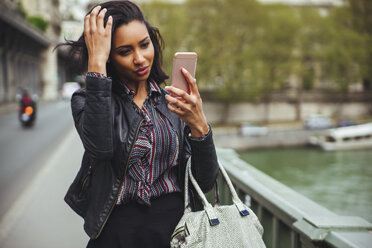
(184, 70)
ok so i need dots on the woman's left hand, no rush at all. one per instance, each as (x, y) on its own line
(188, 106)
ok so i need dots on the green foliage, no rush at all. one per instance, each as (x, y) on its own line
(275, 47)
(38, 22)
(171, 19)
(35, 21)
(361, 21)
(246, 50)
(345, 51)
(21, 9)
(361, 16)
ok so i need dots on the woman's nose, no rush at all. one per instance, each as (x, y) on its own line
(138, 58)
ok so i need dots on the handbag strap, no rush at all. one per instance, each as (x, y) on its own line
(186, 195)
(216, 194)
(212, 216)
(238, 203)
(207, 206)
(186, 190)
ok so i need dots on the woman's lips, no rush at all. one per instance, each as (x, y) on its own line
(142, 71)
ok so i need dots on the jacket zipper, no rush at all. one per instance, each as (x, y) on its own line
(125, 172)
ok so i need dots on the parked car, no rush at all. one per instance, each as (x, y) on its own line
(248, 129)
(68, 89)
(318, 122)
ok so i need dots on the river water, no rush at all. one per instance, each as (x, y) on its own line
(340, 181)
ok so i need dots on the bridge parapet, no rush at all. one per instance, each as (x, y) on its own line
(290, 220)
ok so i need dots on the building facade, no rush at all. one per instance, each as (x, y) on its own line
(49, 11)
(21, 49)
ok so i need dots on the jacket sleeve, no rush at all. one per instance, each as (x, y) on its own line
(204, 164)
(91, 110)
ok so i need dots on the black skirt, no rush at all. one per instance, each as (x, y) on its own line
(133, 225)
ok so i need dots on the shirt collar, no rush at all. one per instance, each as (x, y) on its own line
(153, 89)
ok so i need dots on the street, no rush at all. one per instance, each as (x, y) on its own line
(36, 167)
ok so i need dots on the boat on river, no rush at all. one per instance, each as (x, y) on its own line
(344, 138)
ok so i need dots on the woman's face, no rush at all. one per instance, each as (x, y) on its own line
(132, 52)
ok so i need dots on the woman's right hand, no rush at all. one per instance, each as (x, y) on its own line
(97, 39)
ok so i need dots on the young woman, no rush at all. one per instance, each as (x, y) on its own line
(137, 138)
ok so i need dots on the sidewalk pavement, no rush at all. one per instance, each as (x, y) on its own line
(7, 108)
(40, 218)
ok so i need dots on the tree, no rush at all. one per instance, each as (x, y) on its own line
(312, 38)
(275, 49)
(346, 50)
(361, 21)
(171, 19)
(247, 50)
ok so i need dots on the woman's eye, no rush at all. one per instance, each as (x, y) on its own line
(124, 52)
(146, 44)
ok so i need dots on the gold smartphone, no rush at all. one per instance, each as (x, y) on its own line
(186, 60)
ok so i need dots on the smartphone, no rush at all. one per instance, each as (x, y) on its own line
(186, 60)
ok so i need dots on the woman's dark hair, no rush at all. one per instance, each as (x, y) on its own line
(122, 12)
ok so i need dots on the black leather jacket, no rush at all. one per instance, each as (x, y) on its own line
(108, 128)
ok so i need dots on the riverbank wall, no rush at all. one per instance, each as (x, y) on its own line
(230, 138)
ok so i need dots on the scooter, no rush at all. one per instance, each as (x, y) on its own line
(27, 116)
(27, 111)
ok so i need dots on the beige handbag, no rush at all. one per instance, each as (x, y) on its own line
(234, 226)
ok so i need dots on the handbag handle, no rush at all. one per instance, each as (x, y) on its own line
(207, 206)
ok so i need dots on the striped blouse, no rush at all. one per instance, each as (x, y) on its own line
(152, 165)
